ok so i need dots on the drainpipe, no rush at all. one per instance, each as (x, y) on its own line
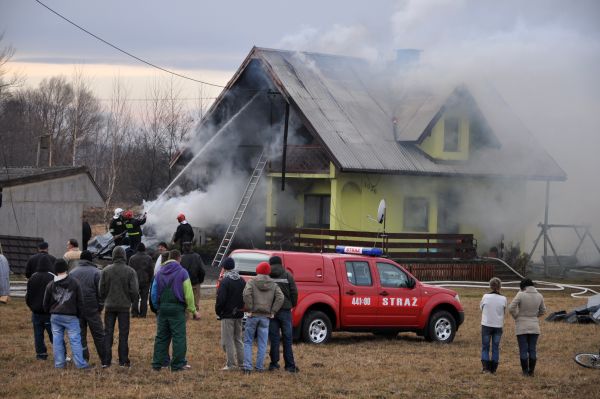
(285, 137)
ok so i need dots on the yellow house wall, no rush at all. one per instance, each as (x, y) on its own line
(490, 207)
(433, 145)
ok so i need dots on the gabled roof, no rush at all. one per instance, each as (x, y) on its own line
(339, 102)
(25, 175)
(355, 122)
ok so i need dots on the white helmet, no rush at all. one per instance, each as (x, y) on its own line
(118, 212)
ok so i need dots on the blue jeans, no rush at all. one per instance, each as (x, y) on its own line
(282, 321)
(259, 326)
(41, 323)
(60, 323)
(493, 335)
(527, 346)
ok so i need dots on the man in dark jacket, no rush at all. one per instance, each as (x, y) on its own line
(86, 232)
(229, 308)
(283, 318)
(118, 289)
(141, 262)
(63, 299)
(171, 295)
(192, 262)
(34, 261)
(36, 288)
(87, 275)
(184, 232)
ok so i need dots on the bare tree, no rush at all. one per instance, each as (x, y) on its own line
(117, 137)
(84, 113)
(48, 108)
(178, 120)
(153, 135)
(7, 83)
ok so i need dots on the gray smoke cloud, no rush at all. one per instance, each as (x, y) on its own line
(541, 56)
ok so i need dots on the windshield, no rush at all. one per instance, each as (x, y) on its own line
(246, 262)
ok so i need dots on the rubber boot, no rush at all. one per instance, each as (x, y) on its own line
(532, 363)
(494, 367)
(485, 366)
(525, 367)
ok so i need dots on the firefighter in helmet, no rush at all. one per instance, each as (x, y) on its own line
(117, 227)
(134, 230)
(184, 232)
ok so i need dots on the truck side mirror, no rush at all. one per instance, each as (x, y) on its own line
(411, 283)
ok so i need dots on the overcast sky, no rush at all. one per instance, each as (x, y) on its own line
(542, 55)
(208, 40)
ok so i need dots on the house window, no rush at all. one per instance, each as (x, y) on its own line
(451, 135)
(416, 214)
(316, 211)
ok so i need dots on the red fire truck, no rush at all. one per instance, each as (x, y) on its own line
(361, 293)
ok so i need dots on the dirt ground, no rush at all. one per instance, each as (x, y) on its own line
(352, 365)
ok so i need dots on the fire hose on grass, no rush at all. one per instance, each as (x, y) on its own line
(583, 291)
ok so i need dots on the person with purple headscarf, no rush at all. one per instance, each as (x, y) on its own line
(171, 294)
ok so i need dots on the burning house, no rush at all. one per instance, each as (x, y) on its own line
(340, 135)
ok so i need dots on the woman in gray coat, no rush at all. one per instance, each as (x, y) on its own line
(526, 308)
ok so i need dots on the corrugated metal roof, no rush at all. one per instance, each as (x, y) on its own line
(355, 122)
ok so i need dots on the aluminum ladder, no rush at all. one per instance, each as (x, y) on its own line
(239, 213)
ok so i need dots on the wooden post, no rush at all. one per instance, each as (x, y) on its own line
(545, 228)
(285, 137)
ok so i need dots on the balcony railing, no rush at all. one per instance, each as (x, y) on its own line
(302, 159)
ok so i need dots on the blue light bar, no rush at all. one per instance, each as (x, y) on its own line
(342, 249)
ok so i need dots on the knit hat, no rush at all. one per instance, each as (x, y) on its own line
(275, 260)
(263, 268)
(43, 245)
(86, 255)
(60, 266)
(228, 264)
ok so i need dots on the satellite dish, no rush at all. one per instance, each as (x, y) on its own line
(381, 211)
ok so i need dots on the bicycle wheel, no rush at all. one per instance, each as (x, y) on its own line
(588, 360)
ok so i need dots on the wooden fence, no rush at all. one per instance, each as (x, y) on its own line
(18, 250)
(471, 271)
(395, 245)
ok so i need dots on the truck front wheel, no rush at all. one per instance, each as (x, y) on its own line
(441, 328)
(316, 328)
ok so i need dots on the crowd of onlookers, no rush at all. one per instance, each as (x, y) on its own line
(67, 297)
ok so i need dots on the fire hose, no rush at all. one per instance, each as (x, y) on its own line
(583, 291)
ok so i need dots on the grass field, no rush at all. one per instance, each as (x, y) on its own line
(352, 365)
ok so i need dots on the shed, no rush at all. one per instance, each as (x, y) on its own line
(47, 203)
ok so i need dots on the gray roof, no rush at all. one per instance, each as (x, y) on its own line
(354, 121)
(25, 175)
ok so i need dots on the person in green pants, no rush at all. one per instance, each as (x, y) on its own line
(171, 294)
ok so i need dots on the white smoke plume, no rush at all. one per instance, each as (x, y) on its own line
(201, 208)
